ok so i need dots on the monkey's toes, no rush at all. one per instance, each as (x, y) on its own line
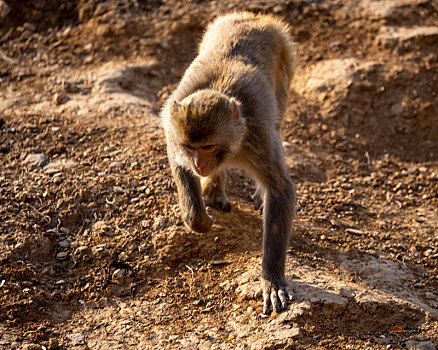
(221, 203)
(274, 297)
(199, 224)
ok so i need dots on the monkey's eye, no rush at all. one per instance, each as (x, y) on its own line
(208, 147)
(189, 148)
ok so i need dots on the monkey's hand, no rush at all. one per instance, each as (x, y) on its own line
(198, 223)
(275, 295)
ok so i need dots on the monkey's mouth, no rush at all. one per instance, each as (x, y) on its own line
(205, 171)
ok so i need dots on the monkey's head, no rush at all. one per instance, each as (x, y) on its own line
(208, 128)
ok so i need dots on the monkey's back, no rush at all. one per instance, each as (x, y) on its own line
(261, 41)
(250, 57)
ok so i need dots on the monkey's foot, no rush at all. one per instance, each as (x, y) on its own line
(218, 201)
(200, 223)
(275, 295)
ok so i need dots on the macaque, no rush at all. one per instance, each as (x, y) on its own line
(227, 112)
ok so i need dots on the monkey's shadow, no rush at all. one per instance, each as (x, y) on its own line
(234, 232)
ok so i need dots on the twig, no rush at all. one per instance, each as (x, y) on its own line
(193, 277)
(6, 58)
(46, 217)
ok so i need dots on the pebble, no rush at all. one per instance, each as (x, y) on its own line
(83, 250)
(420, 345)
(58, 98)
(142, 248)
(36, 160)
(32, 347)
(19, 245)
(118, 189)
(76, 338)
(117, 165)
(64, 243)
(123, 256)
(62, 255)
(354, 231)
(119, 273)
(100, 251)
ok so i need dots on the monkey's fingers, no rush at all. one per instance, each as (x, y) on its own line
(274, 300)
(266, 301)
(285, 294)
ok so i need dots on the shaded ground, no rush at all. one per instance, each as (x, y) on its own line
(92, 252)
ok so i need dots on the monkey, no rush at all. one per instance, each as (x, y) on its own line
(227, 112)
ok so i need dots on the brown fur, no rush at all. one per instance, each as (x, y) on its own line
(233, 96)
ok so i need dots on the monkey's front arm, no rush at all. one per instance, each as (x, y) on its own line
(279, 208)
(193, 211)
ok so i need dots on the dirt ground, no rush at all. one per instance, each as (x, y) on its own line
(93, 254)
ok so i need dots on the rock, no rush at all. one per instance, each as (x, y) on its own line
(65, 243)
(420, 345)
(387, 9)
(76, 338)
(100, 251)
(123, 257)
(117, 165)
(99, 226)
(62, 255)
(59, 98)
(53, 344)
(394, 36)
(119, 274)
(4, 9)
(32, 347)
(60, 165)
(354, 231)
(82, 251)
(118, 189)
(5, 146)
(91, 304)
(36, 160)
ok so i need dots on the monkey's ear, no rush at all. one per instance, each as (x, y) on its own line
(174, 107)
(234, 109)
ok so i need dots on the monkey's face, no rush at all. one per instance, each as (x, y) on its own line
(208, 129)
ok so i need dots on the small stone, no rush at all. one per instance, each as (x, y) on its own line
(123, 256)
(53, 344)
(91, 304)
(32, 347)
(83, 250)
(19, 245)
(36, 160)
(75, 338)
(64, 243)
(143, 248)
(57, 179)
(99, 226)
(117, 165)
(64, 230)
(354, 231)
(118, 189)
(62, 255)
(420, 345)
(58, 98)
(119, 273)
(100, 251)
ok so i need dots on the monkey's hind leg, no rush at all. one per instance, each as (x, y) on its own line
(213, 188)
